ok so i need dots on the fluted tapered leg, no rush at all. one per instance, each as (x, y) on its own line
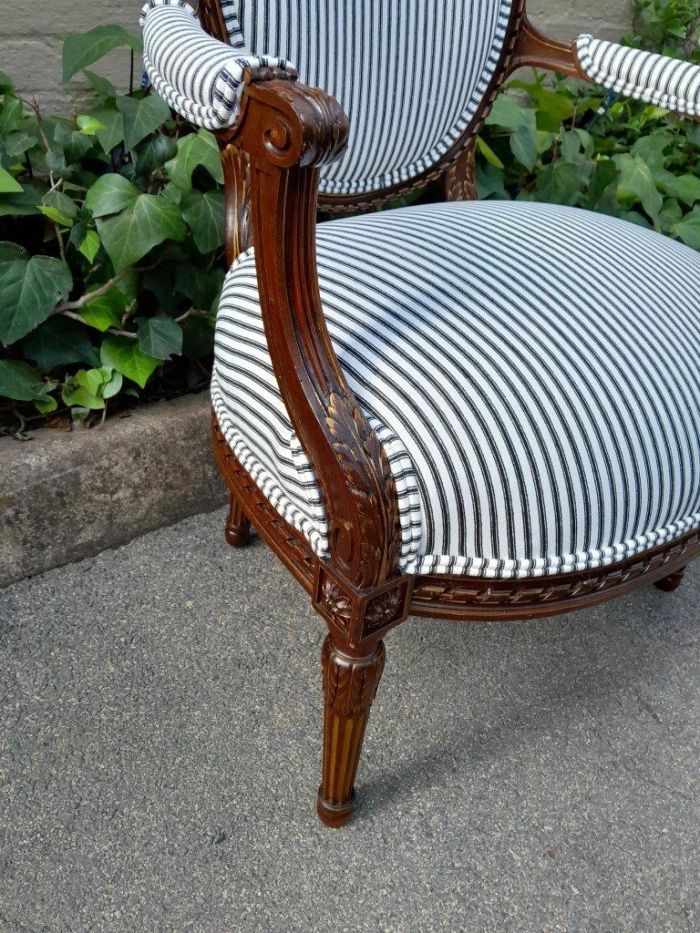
(671, 582)
(349, 685)
(237, 525)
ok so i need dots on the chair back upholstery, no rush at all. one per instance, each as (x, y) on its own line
(412, 75)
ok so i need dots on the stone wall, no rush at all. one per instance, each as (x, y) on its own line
(31, 30)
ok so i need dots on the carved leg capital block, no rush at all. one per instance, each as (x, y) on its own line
(349, 686)
(358, 616)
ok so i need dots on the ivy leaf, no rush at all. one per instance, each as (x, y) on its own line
(198, 337)
(604, 174)
(16, 144)
(30, 290)
(110, 194)
(99, 84)
(488, 153)
(8, 184)
(689, 229)
(509, 114)
(651, 149)
(10, 115)
(160, 337)
(201, 287)
(20, 204)
(59, 208)
(194, 150)
(58, 342)
(153, 152)
(85, 388)
(10, 250)
(141, 117)
(490, 182)
(128, 236)
(636, 183)
(90, 245)
(553, 108)
(46, 403)
(113, 384)
(124, 355)
(111, 130)
(89, 125)
(523, 144)
(82, 49)
(685, 188)
(205, 215)
(19, 381)
(106, 311)
(559, 183)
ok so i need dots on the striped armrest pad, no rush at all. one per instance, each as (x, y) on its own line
(198, 76)
(666, 82)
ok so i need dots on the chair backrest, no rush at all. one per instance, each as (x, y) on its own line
(413, 75)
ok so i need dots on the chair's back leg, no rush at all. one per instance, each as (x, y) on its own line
(237, 525)
(671, 582)
(350, 684)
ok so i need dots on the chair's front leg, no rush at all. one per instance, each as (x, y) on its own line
(350, 682)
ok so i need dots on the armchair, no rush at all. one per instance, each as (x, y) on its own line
(461, 410)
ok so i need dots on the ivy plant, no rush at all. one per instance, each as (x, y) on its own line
(569, 143)
(111, 232)
(111, 219)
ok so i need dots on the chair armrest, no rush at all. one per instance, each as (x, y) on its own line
(198, 76)
(656, 79)
(288, 132)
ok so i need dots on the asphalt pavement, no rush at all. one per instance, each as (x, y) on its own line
(160, 715)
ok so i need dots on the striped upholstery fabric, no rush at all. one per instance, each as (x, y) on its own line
(411, 76)
(532, 370)
(655, 79)
(195, 74)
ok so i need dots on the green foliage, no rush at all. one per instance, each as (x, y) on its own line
(101, 216)
(569, 143)
(111, 221)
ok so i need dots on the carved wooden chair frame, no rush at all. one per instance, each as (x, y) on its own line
(272, 156)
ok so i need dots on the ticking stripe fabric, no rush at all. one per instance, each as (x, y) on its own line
(532, 370)
(198, 76)
(655, 79)
(410, 76)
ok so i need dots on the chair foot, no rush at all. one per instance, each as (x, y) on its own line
(237, 525)
(350, 684)
(671, 582)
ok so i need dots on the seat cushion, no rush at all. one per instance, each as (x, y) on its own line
(532, 370)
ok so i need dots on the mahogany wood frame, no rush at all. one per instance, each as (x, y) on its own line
(272, 156)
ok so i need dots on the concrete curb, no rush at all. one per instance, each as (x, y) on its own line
(66, 496)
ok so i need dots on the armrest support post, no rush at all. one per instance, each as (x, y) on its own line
(288, 132)
(535, 50)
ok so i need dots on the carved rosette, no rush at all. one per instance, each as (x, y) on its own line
(360, 615)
